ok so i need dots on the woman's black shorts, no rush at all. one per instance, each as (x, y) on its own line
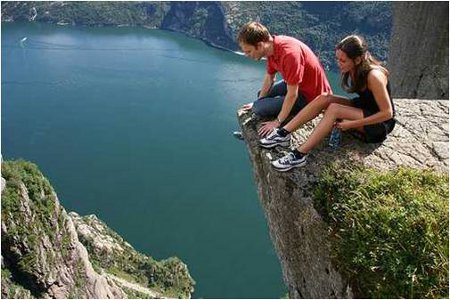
(375, 133)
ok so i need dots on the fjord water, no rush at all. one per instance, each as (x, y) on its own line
(134, 125)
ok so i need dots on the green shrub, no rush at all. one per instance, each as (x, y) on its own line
(389, 230)
(39, 190)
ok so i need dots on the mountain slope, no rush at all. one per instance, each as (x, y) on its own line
(48, 253)
(320, 24)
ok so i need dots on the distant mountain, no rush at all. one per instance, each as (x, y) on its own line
(319, 24)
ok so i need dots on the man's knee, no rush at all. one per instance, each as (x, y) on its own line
(262, 110)
(258, 109)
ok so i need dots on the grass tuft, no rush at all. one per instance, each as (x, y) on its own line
(389, 230)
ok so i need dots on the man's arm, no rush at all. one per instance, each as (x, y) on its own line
(267, 84)
(288, 103)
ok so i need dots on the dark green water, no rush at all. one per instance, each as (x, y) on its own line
(134, 125)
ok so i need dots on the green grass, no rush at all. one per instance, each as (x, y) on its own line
(126, 276)
(389, 230)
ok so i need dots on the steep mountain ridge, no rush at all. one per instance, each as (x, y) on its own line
(48, 253)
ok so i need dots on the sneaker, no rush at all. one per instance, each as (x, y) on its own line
(288, 162)
(238, 135)
(274, 139)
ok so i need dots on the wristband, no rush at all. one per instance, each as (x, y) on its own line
(279, 121)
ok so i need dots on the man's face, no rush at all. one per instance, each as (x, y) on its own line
(255, 53)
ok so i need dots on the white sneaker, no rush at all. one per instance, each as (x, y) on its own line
(238, 135)
(274, 139)
(288, 162)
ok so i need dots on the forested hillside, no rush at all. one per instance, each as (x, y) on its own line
(320, 24)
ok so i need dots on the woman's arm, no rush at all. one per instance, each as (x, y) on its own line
(376, 83)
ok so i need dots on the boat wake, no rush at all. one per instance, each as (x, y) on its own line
(22, 41)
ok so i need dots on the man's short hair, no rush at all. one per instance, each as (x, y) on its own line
(252, 33)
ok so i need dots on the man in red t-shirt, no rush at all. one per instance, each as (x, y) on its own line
(303, 76)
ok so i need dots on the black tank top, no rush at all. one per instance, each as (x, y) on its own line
(367, 100)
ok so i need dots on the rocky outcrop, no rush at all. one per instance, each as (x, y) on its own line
(114, 257)
(298, 232)
(45, 251)
(202, 20)
(418, 54)
(42, 246)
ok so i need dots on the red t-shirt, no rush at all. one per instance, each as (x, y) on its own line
(297, 64)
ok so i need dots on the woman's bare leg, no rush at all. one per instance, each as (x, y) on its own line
(335, 111)
(313, 109)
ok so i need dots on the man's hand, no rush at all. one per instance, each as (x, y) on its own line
(267, 127)
(247, 106)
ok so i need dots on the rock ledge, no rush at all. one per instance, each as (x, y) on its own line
(419, 140)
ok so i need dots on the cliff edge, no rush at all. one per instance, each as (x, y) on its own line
(297, 230)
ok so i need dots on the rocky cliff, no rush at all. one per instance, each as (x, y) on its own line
(299, 233)
(48, 253)
(419, 50)
(203, 20)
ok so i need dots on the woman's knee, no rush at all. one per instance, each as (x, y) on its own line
(327, 100)
(323, 100)
(332, 109)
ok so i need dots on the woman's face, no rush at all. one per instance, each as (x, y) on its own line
(344, 62)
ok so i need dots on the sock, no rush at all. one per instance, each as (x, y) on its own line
(282, 132)
(298, 154)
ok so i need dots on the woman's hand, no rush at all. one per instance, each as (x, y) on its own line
(345, 125)
(267, 127)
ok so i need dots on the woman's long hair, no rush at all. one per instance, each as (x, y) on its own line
(355, 46)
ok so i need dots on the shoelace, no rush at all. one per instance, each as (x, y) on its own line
(273, 135)
(287, 159)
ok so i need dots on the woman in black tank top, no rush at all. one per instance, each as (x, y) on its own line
(371, 114)
(374, 133)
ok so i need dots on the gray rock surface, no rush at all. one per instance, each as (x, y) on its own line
(418, 52)
(419, 140)
(3, 183)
